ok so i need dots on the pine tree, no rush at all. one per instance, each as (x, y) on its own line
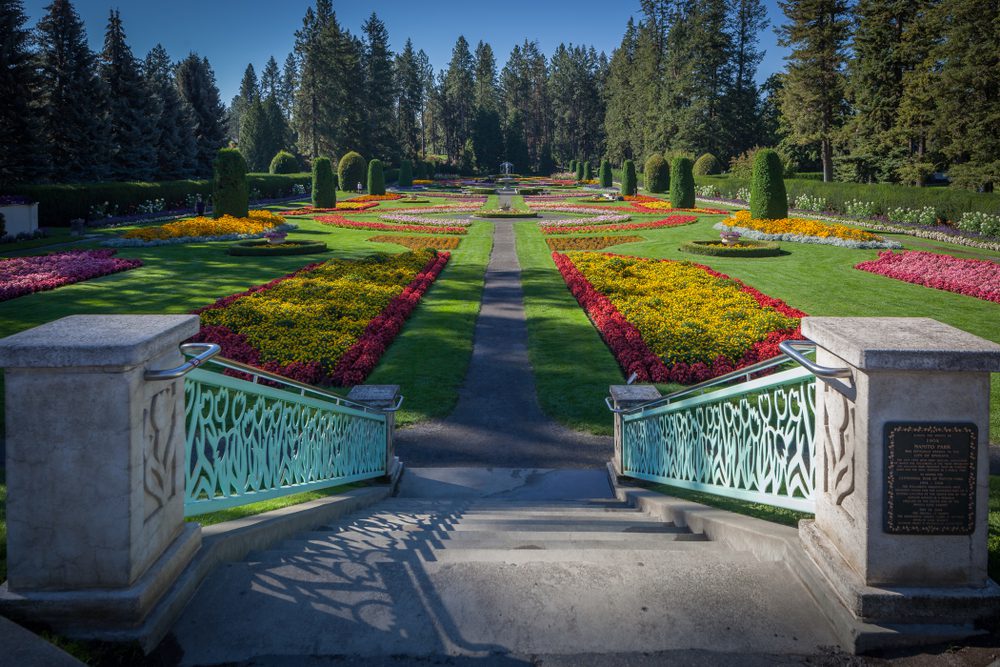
(620, 116)
(515, 147)
(270, 79)
(196, 84)
(813, 101)
(576, 101)
(286, 88)
(249, 93)
(21, 155)
(741, 114)
(72, 99)
(255, 144)
(174, 135)
(459, 97)
(410, 101)
(130, 113)
(487, 134)
(379, 87)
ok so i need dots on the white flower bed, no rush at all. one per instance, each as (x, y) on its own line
(139, 243)
(560, 208)
(801, 238)
(419, 220)
(607, 219)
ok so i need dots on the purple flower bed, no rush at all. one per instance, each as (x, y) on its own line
(974, 277)
(26, 275)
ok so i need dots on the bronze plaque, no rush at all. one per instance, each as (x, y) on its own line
(930, 478)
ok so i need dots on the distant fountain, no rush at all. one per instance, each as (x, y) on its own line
(505, 193)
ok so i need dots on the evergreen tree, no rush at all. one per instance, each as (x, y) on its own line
(270, 80)
(620, 115)
(255, 143)
(132, 156)
(249, 93)
(487, 135)
(196, 84)
(409, 101)
(21, 155)
(515, 147)
(379, 88)
(287, 84)
(312, 109)
(174, 135)
(741, 116)
(459, 98)
(576, 101)
(71, 96)
(524, 92)
(813, 96)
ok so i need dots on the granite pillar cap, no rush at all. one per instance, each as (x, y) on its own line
(633, 393)
(902, 343)
(96, 340)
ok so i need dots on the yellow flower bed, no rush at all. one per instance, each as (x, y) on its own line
(318, 315)
(684, 313)
(255, 223)
(800, 226)
(422, 181)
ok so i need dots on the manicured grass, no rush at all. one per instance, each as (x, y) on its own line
(56, 235)
(268, 505)
(757, 510)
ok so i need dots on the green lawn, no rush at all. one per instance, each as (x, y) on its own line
(254, 509)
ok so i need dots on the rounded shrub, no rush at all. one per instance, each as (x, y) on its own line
(768, 199)
(376, 178)
(682, 183)
(579, 171)
(230, 193)
(405, 178)
(324, 187)
(352, 170)
(605, 174)
(629, 184)
(656, 174)
(284, 162)
(706, 165)
(743, 248)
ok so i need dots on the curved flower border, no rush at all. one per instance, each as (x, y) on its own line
(139, 243)
(634, 356)
(979, 278)
(419, 220)
(338, 221)
(672, 221)
(20, 276)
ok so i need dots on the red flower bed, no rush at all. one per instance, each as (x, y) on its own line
(973, 277)
(39, 273)
(672, 221)
(634, 356)
(343, 207)
(340, 221)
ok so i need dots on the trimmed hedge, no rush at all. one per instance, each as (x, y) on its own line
(629, 185)
(284, 163)
(405, 177)
(230, 193)
(579, 171)
(352, 170)
(768, 198)
(706, 164)
(605, 174)
(263, 248)
(572, 166)
(588, 174)
(744, 248)
(656, 174)
(376, 178)
(682, 183)
(324, 185)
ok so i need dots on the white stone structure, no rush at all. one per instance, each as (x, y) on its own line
(20, 218)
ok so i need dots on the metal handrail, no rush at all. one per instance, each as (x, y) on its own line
(207, 351)
(790, 352)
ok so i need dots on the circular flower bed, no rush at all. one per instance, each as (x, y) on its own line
(500, 213)
(262, 247)
(742, 248)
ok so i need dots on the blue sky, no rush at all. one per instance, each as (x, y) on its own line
(233, 33)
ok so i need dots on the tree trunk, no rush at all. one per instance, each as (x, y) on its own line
(826, 155)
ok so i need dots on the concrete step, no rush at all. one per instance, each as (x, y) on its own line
(585, 524)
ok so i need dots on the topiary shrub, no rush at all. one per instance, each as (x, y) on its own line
(605, 174)
(284, 163)
(682, 183)
(376, 178)
(629, 184)
(579, 171)
(352, 170)
(230, 193)
(768, 200)
(588, 173)
(324, 188)
(656, 174)
(572, 166)
(405, 178)
(706, 165)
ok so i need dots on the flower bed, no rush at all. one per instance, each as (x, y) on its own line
(973, 277)
(264, 248)
(742, 248)
(565, 208)
(341, 206)
(589, 242)
(671, 321)
(376, 198)
(508, 213)
(672, 221)
(326, 323)
(226, 228)
(802, 230)
(406, 219)
(660, 206)
(439, 208)
(606, 219)
(339, 221)
(39, 273)
(418, 242)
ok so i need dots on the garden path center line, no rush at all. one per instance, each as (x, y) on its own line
(497, 421)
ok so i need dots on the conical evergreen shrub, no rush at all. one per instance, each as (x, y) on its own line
(230, 193)
(682, 183)
(376, 178)
(324, 186)
(656, 174)
(605, 174)
(629, 184)
(405, 178)
(768, 199)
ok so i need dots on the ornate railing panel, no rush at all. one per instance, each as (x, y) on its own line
(248, 442)
(753, 441)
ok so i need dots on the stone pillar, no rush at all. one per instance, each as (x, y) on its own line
(95, 464)
(381, 396)
(902, 475)
(624, 396)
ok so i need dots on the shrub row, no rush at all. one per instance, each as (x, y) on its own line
(948, 203)
(60, 203)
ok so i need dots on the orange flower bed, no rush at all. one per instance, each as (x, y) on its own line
(386, 197)
(589, 242)
(345, 206)
(418, 242)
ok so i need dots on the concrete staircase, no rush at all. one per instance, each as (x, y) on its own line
(472, 577)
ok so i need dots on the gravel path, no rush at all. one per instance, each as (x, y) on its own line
(497, 421)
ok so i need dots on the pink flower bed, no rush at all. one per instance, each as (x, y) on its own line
(634, 356)
(26, 275)
(672, 221)
(973, 277)
(338, 221)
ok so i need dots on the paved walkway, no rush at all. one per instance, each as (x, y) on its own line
(498, 421)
